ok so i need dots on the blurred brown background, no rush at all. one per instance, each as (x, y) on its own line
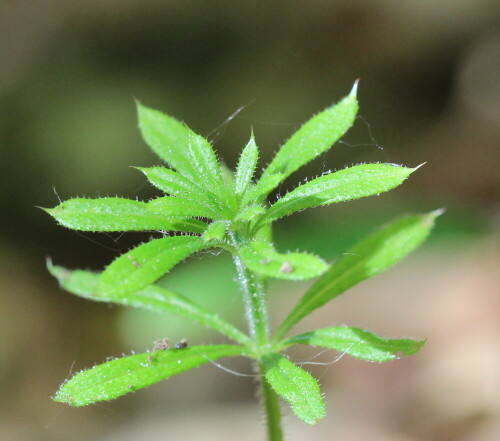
(429, 91)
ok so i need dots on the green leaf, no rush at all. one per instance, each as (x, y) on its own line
(250, 213)
(215, 231)
(146, 263)
(173, 183)
(369, 257)
(351, 183)
(172, 206)
(85, 284)
(295, 386)
(258, 193)
(117, 214)
(263, 259)
(358, 343)
(246, 166)
(315, 137)
(118, 377)
(167, 137)
(208, 169)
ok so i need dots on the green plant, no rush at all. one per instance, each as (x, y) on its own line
(210, 207)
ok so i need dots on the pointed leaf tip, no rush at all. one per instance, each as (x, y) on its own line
(420, 165)
(438, 212)
(344, 185)
(315, 136)
(354, 90)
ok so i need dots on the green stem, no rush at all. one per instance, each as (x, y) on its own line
(254, 297)
(271, 404)
(255, 304)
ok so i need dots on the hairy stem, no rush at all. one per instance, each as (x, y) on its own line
(254, 297)
(255, 302)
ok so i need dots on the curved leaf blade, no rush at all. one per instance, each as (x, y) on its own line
(263, 259)
(351, 183)
(146, 263)
(315, 137)
(295, 386)
(118, 377)
(117, 214)
(167, 137)
(371, 256)
(358, 343)
(85, 284)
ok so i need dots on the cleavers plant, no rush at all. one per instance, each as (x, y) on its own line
(207, 206)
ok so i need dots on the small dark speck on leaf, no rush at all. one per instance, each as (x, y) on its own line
(134, 262)
(181, 344)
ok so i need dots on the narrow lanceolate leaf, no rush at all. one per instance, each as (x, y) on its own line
(246, 166)
(85, 284)
(358, 343)
(117, 214)
(258, 193)
(173, 183)
(263, 259)
(167, 137)
(295, 386)
(146, 263)
(315, 137)
(123, 375)
(208, 169)
(172, 206)
(368, 258)
(351, 183)
(215, 231)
